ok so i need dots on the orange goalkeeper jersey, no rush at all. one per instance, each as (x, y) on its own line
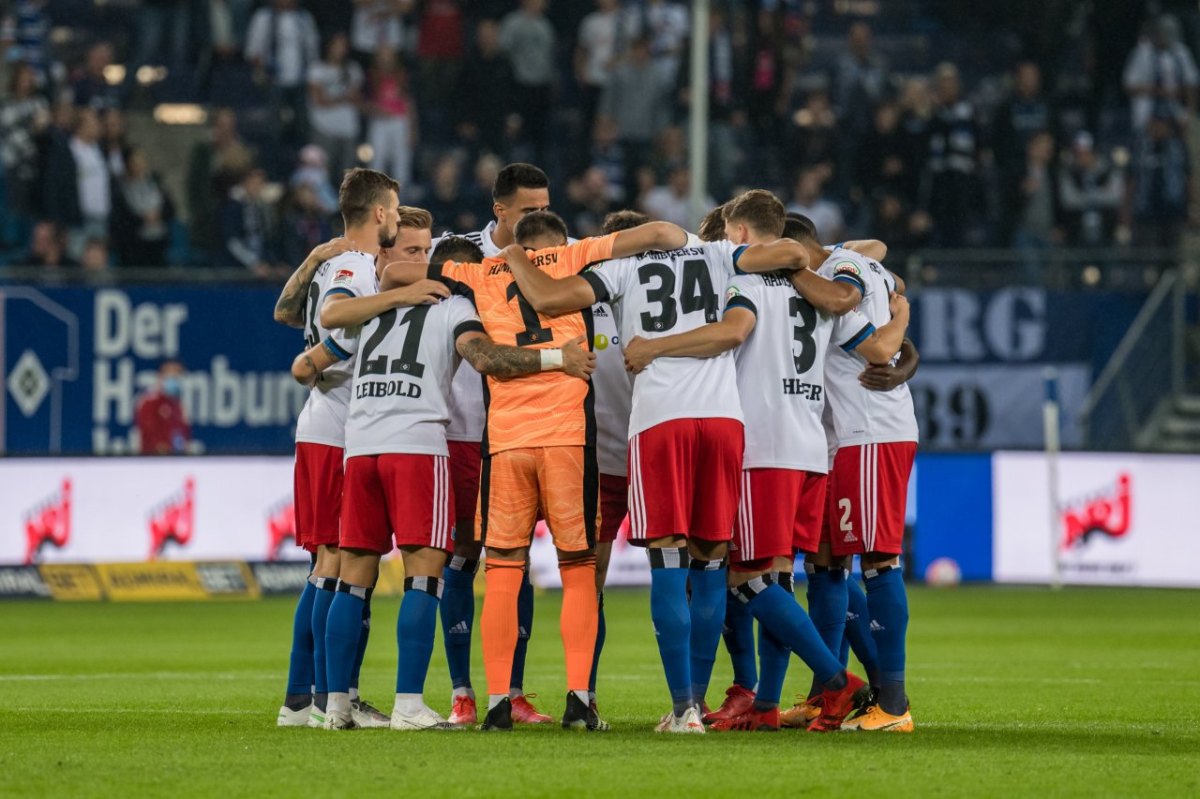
(548, 409)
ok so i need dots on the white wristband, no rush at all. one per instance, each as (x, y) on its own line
(551, 359)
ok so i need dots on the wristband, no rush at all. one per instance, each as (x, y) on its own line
(551, 359)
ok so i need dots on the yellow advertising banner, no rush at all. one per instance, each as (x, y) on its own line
(136, 582)
(391, 577)
(71, 582)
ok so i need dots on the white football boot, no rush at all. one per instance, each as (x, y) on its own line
(338, 713)
(424, 718)
(367, 715)
(688, 723)
(294, 718)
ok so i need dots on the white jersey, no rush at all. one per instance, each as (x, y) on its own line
(323, 418)
(406, 362)
(861, 416)
(658, 294)
(781, 371)
(614, 393)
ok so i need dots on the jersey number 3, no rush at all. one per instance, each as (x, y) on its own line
(802, 333)
(697, 294)
(407, 363)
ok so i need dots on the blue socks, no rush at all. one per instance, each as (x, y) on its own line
(414, 632)
(600, 633)
(858, 632)
(773, 656)
(780, 616)
(343, 634)
(707, 579)
(739, 641)
(326, 590)
(827, 600)
(672, 621)
(524, 630)
(364, 636)
(458, 617)
(300, 669)
(888, 603)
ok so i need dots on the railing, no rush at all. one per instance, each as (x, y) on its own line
(1147, 370)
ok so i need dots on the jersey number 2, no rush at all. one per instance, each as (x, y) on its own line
(407, 363)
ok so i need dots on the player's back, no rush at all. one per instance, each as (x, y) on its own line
(781, 374)
(406, 360)
(323, 418)
(659, 294)
(861, 416)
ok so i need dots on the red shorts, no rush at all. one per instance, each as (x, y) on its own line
(868, 494)
(465, 460)
(684, 477)
(614, 506)
(408, 496)
(780, 512)
(317, 487)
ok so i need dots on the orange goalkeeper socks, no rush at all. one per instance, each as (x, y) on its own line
(498, 623)
(579, 620)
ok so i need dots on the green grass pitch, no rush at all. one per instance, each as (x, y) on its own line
(1016, 692)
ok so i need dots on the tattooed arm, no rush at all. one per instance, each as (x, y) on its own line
(289, 308)
(499, 360)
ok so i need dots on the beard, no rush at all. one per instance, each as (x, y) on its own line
(387, 242)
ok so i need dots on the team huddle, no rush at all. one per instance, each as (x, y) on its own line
(464, 389)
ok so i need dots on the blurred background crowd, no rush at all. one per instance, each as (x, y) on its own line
(213, 132)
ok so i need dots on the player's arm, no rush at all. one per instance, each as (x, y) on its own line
(874, 249)
(650, 236)
(830, 296)
(502, 360)
(548, 295)
(308, 365)
(882, 344)
(708, 341)
(342, 310)
(289, 308)
(887, 377)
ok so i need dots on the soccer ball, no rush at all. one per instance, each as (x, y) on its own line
(943, 573)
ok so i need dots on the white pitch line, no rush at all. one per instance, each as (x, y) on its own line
(139, 710)
(142, 675)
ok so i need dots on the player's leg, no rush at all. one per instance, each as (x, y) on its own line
(886, 471)
(614, 509)
(297, 702)
(523, 710)
(715, 490)
(858, 632)
(661, 464)
(827, 594)
(508, 502)
(569, 485)
(458, 578)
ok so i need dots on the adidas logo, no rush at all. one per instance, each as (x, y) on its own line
(876, 626)
(851, 615)
(522, 632)
(460, 629)
(849, 537)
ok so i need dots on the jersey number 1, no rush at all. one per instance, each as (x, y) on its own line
(407, 363)
(534, 332)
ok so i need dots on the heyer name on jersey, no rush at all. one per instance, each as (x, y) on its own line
(794, 387)
(130, 343)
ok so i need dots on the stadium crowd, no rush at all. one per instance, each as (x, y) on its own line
(883, 125)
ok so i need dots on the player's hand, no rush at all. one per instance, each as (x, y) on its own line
(578, 361)
(330, 249)
(423, 292)
(881, 378)
(897, 303)
(639, 352)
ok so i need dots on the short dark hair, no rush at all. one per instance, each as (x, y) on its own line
(539, 224)
(518, 176)
(712, 226)
(623, 220)
(456, 248)
(800, 228)
(361, 190)
(758, 209)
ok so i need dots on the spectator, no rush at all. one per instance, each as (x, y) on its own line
(95, 258)
(883, 159)
(1091, 190)
(313, 172)
(47, 247)
(528, 39)
(1160, 76)
(814, 132)
(24, 116)
(378, 25)
(666, 25)
(446, 200)
(1033, 203)
(767, 80)
(305, 223)
(1161, 175)
(142, 215)
(281, 44)
(608, 156)
(393, 127)
(636, 101)
(485, 88)
(114, 141)
(160, 418)
(90, 88)
(916, 126)
(588, 203)
(595, 55)
(158, 20)
(25, 30)
(808, 199)
(861, 80)
(216, 164)
(672, 202)
(77, 185)
(334, 96)
(439, 56)
(246, 225)
(952, 190)
(1023, 116)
